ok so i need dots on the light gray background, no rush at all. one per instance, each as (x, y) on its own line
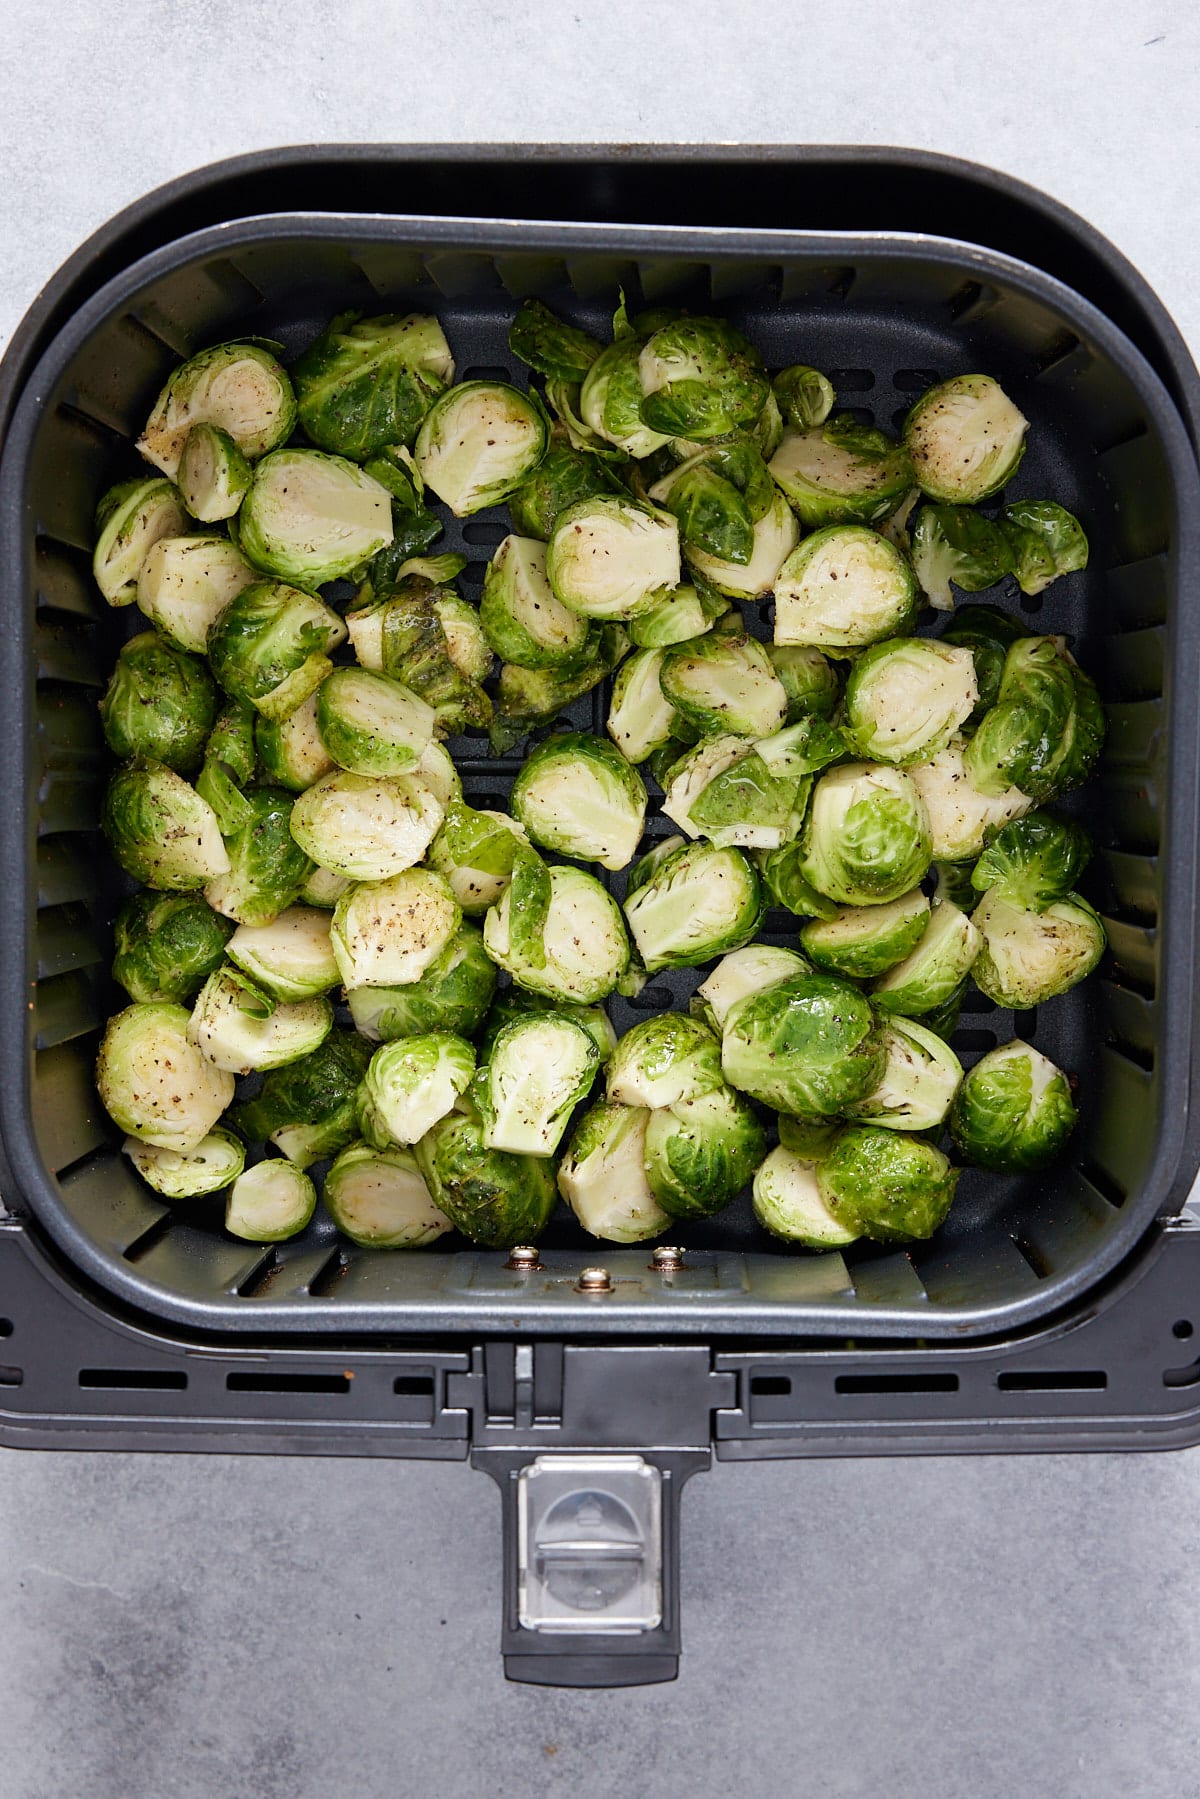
(949, 1629)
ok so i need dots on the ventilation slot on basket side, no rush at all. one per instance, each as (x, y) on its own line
(1056, 350)
(413, 1386)
(881, 1384)
(287, 1383)
(1103, 1182)
(1032, 1258)
(770, 1385)
(1053, 1380)
(145, 1380)
(851, 381)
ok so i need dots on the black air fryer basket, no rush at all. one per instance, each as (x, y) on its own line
(1051, 1310)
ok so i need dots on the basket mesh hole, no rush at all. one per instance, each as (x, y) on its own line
(1182, 1328)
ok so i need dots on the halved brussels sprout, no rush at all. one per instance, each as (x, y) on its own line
(244, 1031)
(700, 379)
(521, 618)
(987, 633)
(788, 1203)
(864, 941)
(724, 682)
(952, 543)
(539, 1069)
(367, 383)
(700, 1152)
(575, 949)
(371, 724)
(270, 1202)
(578, 795)
(841, 472)
(231, 741)
(563, 477)
(291, 956)
(602, 1176)
(867, 837)
(665, 1059)
(548, 344)
(843, 587)
(312, 518)
(410, 1084)
(907, 698)
(214, 476)
(919, 1080)
(713, 514)
(186, 583)
(723, 790)
(160, 830)
(238, 386)
(130, 519)
(309, 1109)
(807, 1136)
(1034, 860)
(493, 1198)
(271, 646)
(291, 749)
(887, 1185)
(267, 867)
(610, 558)
(697, 903)
(470, 651)
(610, 401)
(961, 816)
(786, 884)
(1046, 730)
(965, 438)
(323, 888)
(744, 971)
(154, 1083)
(166, 945)
(379, 1199)
(773, 538)
(933, 971)
(431, 642)
(1046, 541)
(1014, 1110)
(640, 716)
(806, 1045)
(687, 611)
(160, 703)
(216, 1160)
(513, 1003)
(478, 443)
(805, 396)
(527, 698)
(1029, 957)
(367, 827)
(390, 933)
(808, 680)
(474, 851)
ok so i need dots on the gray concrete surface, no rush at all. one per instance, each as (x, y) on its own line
(182, 1628)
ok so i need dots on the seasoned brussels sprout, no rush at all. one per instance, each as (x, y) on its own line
(1014, 1110)
(271, 646)
(807, 1136)
(788, 1203)
(841, 472)
(723, 790)
(933, 971)
(954, 883)
(965, 438)
(687, 611)
(867, 837)
(919, 1080)
(291, 956)
(610, 402)
(390, 933)
(371, 724)
(160, 703)
(567, 942)
(864, 941)
(577, 794)
(1029, 957)
(805, 396)
(666, 1058)
(130, 519)
(161, 831)
(548, 344)
(843, 587)
(367, 827)
(806, 1045)
(521, 618)
(528, 698)
(1046, 730)
(154, 1083)
(478, 443)
(216, 1160)
(884, 1184)
(701, 1152)
(311, 518)
(724, 682)
(323, 889)
(1034, 860)
(808, 680)
(378, 1198)
(367, 383)
(514, 1002)
(270, 1202)
(610, 558)
(231, 741)
(410, 1084)
(431, 642)
(540, 1067)
(166, 945)
(952, 543)
(961, 816)
(238, 386)
(563, 478)
(214, 476)
(640, 717)
(785, 883)
(292, 750)
(309, 1109)
(712, 514)
(987, 633)
(773, 538)
(907, 698)
(700, 379)
(745, 971)
(267, 867)
(1046, 541)
(494, 1198)
(602, 1176)
(243, 1030)
(474, 851)
(186, 583)
(453, 994)
(697, 903)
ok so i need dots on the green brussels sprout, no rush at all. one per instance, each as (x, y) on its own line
(563, 478)
(291, 956)
(885, 1184)
(723, 790)
(521, 618)
(687, 611)
(161, 831)
(610, 402)
(1046, 541)
(166, 945)
(214, 477)
(724, 682)
(862, 942)
(565, 398)
(666, 1058)
(244, 1030)
(312, 518)
(475, 851)
(1046, 730)
(867, 836)
(267, 866)
(807, 1044)
(186, 583)
(270, 646)
(843, 587)
(577, 794)
(528, 698)
(270, 1202)
(954, 884)
(1034, 860)
(807, 1136)
(603, 1179)
(231, 741)
(805, 396)
(371, 724)
(788, 1203)
(919, 1080)
(238, 386)
(160, 703)
(610, 558)
(540, 1067)
(640, 717)
(154, 1083)
(908, 697)
(478, 443)
(965, 438)
(785, 883)
(1014, 1110)
(453, 994)
(649, 863)
(495, 1199)
(546, 343)
(411, 1083)
(379, 1199)
(309, 1109)
(1028, 957)
(432, 643)
(808, 680)
(987, 633)
(470, 651)
(934, 969)
(367, 827)
(513, 1003)
(961, 816)
(130, 519)
(943, 1019)
(571, 946)
(697, 903)
(719, 495)
(390, 933)
(700, 1152)
(216, 1160)
(841, 473)
(952, 543)
(324, 889)
(744, 971)
(700, 379)
(292, 750)
(367, 383)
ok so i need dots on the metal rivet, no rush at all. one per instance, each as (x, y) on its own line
(667, 1258)
(523, 1258)
(594, 1280)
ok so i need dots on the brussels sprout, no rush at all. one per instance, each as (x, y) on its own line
(309, 1109)
(564, 398)
(366, 827)
(724, 791)
(773, 538)
(987, 633)
(493, 1198)
(724, 682)
(701, 1152)
(291, 956)
(867, 836)
(453, 994)
(410, 1084)
(933, 971)
(186, 583)
(666, 1058)
(216, 1160)
(887, 1185)
(378, 1198)
(574, 950)
(366, 383)
(312, 518)
(841, 472)
(961, 816)
(745, 971)
(154, 1083)
(291, 749)
(808, 680)
(602, 1176)
(130, 519)
(1046, 730)
(578, 795)
(965, 438)
(785, 883)
(371, 724)
(563, 478)
(242, 1029)
(788, 1203)
(843, 587)
(166, 945)
(478, 443)
(161, 831)
(907, 698)
(697, 903)
(807, 1136)
(231, 741)
(474, 851)
(1014, 1110)
(687, 611)
(954, 884)
(546, 343)
(160, 703)
(432, 643)
(270, 1202)
(267, 867)
(539, 1069)
(1029, 957)
(527, 698)
(610, 558)
(323, 888)
(1046, 541)
(713, 514)
(805, 396)
(270, 646)
(390, 933)
(864, 941)
(214, 476)
(640, 717)
(610, 402)
(239, 386)
(807, 1044)
(1034, 860)
(918, 1083)
(521, 618)
(470, 651)
(952, 543)
(700, 379)
(514, 1003)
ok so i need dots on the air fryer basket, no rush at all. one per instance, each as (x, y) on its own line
(885, 315)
